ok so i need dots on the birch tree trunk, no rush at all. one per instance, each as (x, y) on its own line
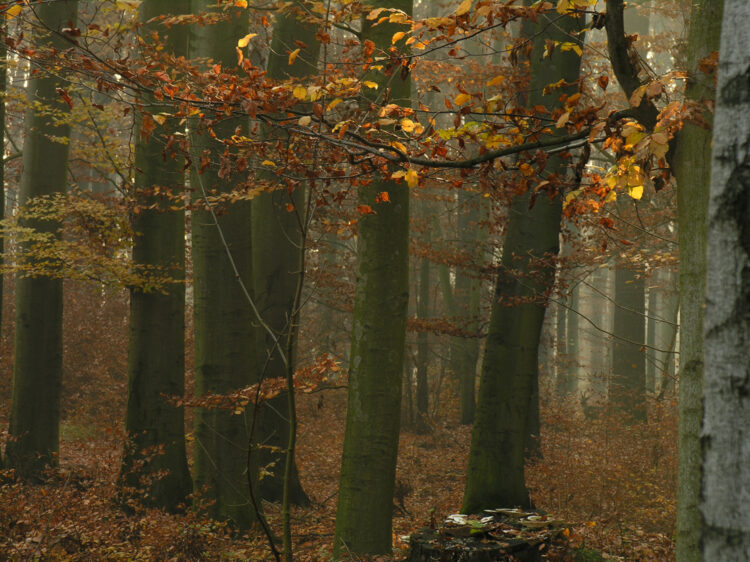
(725, 438)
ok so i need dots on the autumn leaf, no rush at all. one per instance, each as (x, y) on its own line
(13, 11)
(398, 36)
(365, 210)
(412, 178)
(461, 99)
(383, 197)
(65, 96)
(562, 120)
(603, 81)
(268, 163)
(304, 121)
(463, 8)
(299, 92)
(497, 80)
(370, 84)
(636, 192)
(245, 41)
(293, 55)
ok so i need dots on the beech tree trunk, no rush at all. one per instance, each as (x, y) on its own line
(495, 475)
(277, 243)
(627, 389)
(423, 349)
(155, 462)
(225, 353)
(726, 425)
(692, 168)
(368, 467)
(37, 373)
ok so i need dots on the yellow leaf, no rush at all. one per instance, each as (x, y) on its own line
(636, 192)
(563, 6)
(398, 146)
(398, 174)
(300, 92)
(461, 99)
(268, 163)
(13, 11)
(570, 196)
(398, 36)
(240, 3)
(499, 79)
(407, 125)
(245, 41)
(304, 121)
(370, 84)
(293, 55)
(161, 119)
(412, 178)
(611, 196)
(333, 104)
(463, 7)
(634, 138)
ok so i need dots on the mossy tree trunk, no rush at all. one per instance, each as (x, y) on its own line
(692, 168)
(155, 461)
(495, 475)
(37, 374)
(277, 243)
(368, 468)
(225, 353)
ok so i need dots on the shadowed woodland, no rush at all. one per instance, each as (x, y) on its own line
(301, 280)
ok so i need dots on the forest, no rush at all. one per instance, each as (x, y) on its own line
(375, 280)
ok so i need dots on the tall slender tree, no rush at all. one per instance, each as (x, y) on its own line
(495, 475)
(225, 353)
(725, 438)
(37, 372)
(277, 243)
(155, 460)
(368, 467)
(692, 168)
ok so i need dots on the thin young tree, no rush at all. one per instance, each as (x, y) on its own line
(37, 372)
(155, 462)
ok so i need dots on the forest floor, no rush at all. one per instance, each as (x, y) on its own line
(612, 484)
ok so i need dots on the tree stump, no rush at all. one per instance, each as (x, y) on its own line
(503, 535)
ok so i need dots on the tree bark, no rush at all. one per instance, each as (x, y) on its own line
(368, 467)
(155, 462)
(225, 353)
(277, 242)
(423, 349)
(37, 374)
(725, 437)
(627, 389)
(495, 475)
(692, 168)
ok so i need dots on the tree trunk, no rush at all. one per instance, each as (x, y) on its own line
(423, 349)
(726, 426)
(225, 354)
(692, 167)
(368, 467)
(277, 242)
(156, 354)
(495, 474)
(627, 389)
(37, 375)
